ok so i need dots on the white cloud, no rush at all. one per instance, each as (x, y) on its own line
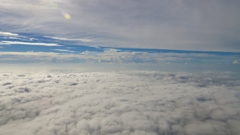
(63, 50)
(125, 103)
(7, 34)
(28, 53)
(70, 39)
(235, 62)
(27, 43)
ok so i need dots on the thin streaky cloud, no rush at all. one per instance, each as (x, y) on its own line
(27, 43)
(7, 34)
(71, 39)
(63, 50)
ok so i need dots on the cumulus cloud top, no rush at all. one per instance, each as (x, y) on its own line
(119, 103)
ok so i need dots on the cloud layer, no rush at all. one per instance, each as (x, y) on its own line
(115, 59)
(177, 24)
(119, 103)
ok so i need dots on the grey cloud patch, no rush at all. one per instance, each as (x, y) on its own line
(125, 103)
(7, 84)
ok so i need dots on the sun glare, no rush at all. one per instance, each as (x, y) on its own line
(67, 16)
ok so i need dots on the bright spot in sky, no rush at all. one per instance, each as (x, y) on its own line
(67, 16)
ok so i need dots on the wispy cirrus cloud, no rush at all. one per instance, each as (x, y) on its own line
(71, 39)
(27, 43)
(7, 34)
(63, 50)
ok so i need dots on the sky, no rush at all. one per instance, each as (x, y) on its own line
(143, 32)
(120, 67)
(178, 24)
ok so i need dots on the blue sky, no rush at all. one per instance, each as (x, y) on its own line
(179, 33)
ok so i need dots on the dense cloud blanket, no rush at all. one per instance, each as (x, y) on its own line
(119, 103)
